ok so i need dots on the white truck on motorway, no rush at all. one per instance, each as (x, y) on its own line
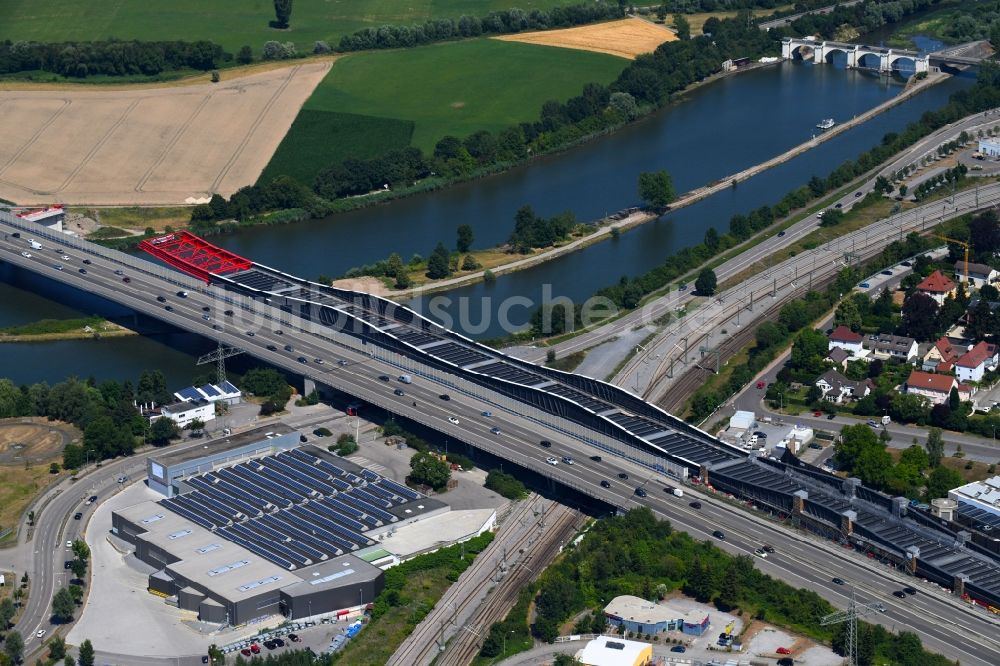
(406, 379)
(35, 245)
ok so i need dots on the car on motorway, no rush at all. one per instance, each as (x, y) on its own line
(279, 332)
(228, 313)
(679, 649)
(86, 261)
(768, 548)
(695, 505)
(64, 257)
(272, 348)
(168, 308)
(761, 553)
(899, 594)
(250, 333)
(119, 272)
(182, 293)
(39, 633)
(623, 476)
(16, 234)
(605, 484)
(906, 263)
(495, 430)
(206, 308)
(552, 461)
(302, 359)
(78, 515)
(910, 590)
(92, 499)
(452, 420)
(858, 194)
(886, 272)
(58, 267)
(399, 392)
(487, 414)
(126, 280)
(445, 397)
(839, 205)
(719, 534)
(569, 460)
(783, 650)
(26, 255)
(596, 458)
(640, 492)
(318, 361)
(761, 385)
(83, 270)
(342, 361)
(837, 581)
(206, 317)
(288, 348)
(545, 444)
(161, 299)
(216, 327)
(780, 234)
(383, 378)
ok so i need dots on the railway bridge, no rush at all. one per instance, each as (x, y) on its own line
(859, 56)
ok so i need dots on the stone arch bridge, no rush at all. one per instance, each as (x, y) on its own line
(859, 56)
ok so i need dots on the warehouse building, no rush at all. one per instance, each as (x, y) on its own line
(640, 616)
(614, 651)
(165, 471)
(255, 526)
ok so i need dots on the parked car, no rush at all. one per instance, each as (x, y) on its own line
(783, 650)
(294, 638)
(680, 649)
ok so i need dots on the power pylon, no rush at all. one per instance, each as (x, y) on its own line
(219, 356)
(850, 616)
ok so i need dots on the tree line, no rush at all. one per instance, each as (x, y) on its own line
(495, 23)
(865, 16)
(112, 57)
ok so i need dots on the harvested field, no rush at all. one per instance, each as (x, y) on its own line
(626, 38)
(147, 146)
(27, 447)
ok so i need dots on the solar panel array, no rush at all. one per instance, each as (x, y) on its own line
(293, 508)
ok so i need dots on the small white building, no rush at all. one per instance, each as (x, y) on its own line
(989, 147)
(614, 651)
(848, 340)
(183, 413)
(225, 393)
(974, 363)
(798, 437)
(743, 420)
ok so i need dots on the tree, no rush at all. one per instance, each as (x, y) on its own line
(163, 430)
(711, 239)
(6, 613)
(69, 661)
(13, 647)
(63, 605)
(79, 568)
(624, 104)
(920, 314)
(195, 424)
(941, 480)
(86, 655)
(935, 447)
(683, 27)
(429, 470)
(706, 283)
(656, 189)
(698, 583)
(439, 263)
(282, 13)
(57, 648)
(245, 55)
(215, 655)
(464, 242)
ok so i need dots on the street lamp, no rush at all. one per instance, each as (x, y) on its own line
(505, 642)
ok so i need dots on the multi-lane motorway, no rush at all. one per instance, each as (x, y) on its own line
(945, 624)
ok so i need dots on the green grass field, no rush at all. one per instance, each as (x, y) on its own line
(320, 137)
(454, 88)
(227, 22)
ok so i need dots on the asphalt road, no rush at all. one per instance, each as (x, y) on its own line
(777, 23)
(938, 617)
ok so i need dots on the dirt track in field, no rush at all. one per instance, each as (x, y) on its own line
(626, 38)
(147, 146)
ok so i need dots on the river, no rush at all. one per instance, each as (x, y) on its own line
(716, 130)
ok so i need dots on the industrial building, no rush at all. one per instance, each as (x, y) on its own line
(640, 616)
(224, 393)
(982, 495)
(614, 651)
(989, 147)
(184, 412)
(258, 525)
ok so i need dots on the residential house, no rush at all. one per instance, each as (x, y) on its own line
(974, 363)
(938, 286)
(839, 356)
(838, 388)
(848, 340)
(979, 274)
(942, 356)
(934, 387)
(892, 346)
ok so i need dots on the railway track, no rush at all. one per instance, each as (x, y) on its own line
(422, 645)
(466, 644)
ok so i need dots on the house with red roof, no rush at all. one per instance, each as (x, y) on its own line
(936, 388)
(938, 286)
(848, 340)
(974, 363)
(943, 355)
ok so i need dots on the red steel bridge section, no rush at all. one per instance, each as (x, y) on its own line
(193, 255)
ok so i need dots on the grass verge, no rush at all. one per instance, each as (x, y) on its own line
(134, 217)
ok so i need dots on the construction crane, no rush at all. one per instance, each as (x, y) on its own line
(219, 357)
(965, 245)
(854, 611)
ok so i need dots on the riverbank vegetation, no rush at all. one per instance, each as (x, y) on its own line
(953, 23)
(62, 329)
(637, 554)
(849, 22)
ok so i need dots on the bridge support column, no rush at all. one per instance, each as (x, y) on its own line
(958, 584)
(847, 519)
(912, 554)
(308, 386)
(922, 65)
(786, 48)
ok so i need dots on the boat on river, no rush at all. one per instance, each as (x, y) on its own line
(826, 123)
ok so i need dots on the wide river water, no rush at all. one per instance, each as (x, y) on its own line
(715, 131)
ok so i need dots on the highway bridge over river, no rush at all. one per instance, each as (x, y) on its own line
(352, 342)
(883, 59)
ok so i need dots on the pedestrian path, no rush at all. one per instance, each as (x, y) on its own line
(373, 466)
